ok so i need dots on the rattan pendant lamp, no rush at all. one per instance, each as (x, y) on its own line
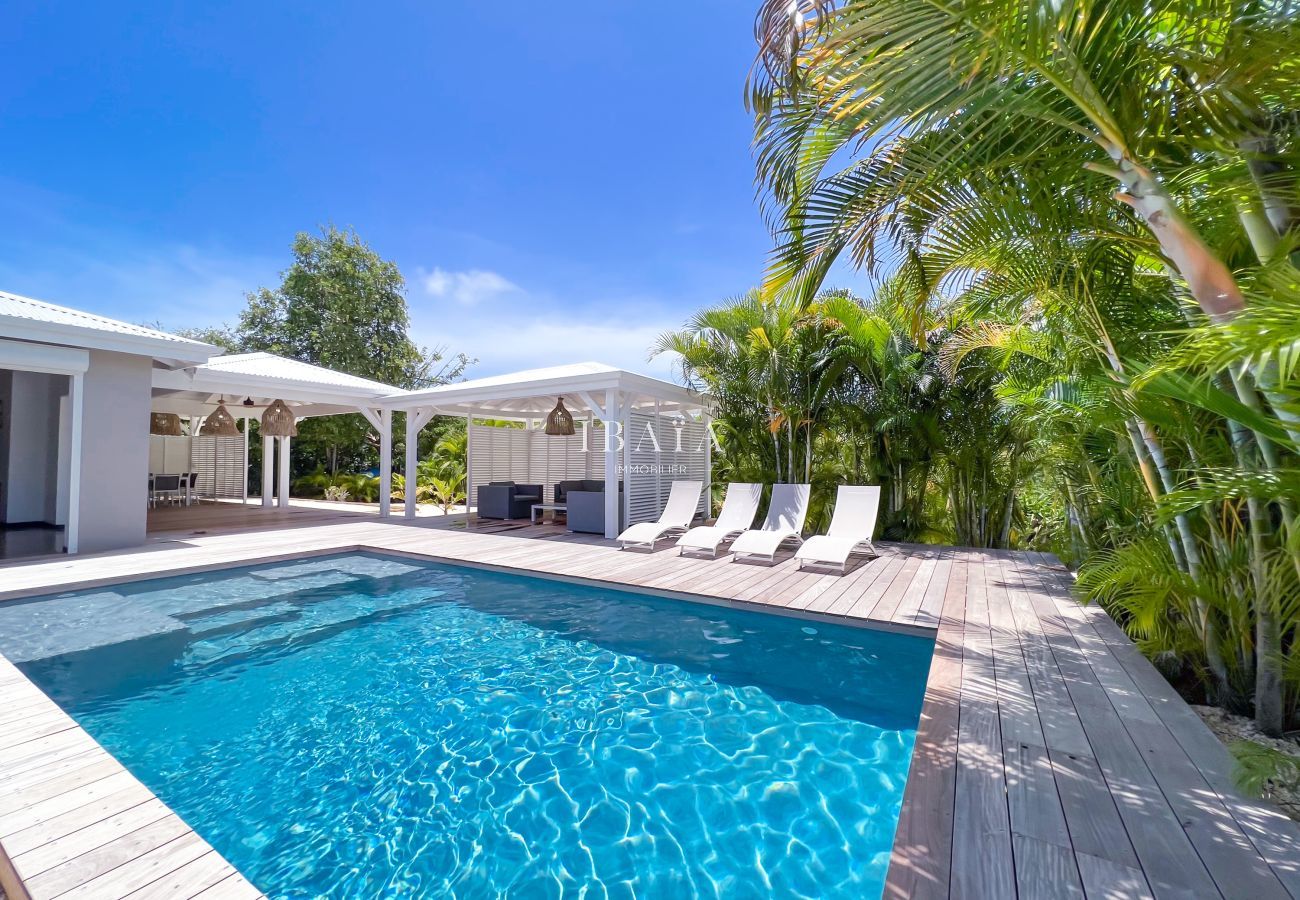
(560, 421)
(221, 423)
(166, 424)
(279, 421)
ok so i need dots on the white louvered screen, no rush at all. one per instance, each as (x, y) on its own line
(661, 450)
(497, 454)
(645, 501)
(220, 466)
(534, 457)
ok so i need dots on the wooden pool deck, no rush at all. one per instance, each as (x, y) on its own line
(1052, 760)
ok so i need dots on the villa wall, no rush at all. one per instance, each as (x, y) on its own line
(115, 451)
(31, 474)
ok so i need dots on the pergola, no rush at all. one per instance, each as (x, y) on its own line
(660, 431)
(247, 383)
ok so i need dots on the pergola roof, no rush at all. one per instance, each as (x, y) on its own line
(265, 377)
(532, 393)
(35, 320)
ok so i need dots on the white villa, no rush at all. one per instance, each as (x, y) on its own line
(79, 393)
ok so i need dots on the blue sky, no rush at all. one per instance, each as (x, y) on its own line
(558, 182)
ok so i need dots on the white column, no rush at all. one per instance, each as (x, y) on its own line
(612, 435)
(708, 463)
(469, 466)
(386, 462)
(625, 415)
(412, 460)
(76, 395)
(247, 426)
(282, 493)
(268, 470)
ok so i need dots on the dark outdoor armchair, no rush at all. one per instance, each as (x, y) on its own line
(507, 500)
(586, 505)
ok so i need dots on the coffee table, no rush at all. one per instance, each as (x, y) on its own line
(551, 507)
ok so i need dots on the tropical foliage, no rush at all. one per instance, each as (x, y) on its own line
(342, 306)
(1080, 221)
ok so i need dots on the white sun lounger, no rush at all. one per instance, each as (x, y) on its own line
(737, 514)
(784, 522)
(852, 524)
(683, 500)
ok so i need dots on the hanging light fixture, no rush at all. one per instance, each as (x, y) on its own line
(248, 401)
(168, 424)
(279, 421)
(221, 423)
(560, 421)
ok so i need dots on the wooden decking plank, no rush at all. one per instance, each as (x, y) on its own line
(41, 859)
(208, 870)
(1032, 796)
(1229, 817)
(106, 858)
(232, 887)
(46, 783)
(853, 603)
(823, 593)
(1218, 840)
(931, 607)
(93, 810)
(1091, 816)
(920, 864)
(1046, 870)
(909, 603)
(1167, 857)
(1106, 880)
(881, 599)
(142, 870)
(919, 567)
(48, 765)
(982, 861)
(18, 818)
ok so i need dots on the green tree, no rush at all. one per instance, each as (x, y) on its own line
(342, 306)
(970, 152)
(339, 305)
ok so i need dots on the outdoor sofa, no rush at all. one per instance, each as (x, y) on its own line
(507, 500)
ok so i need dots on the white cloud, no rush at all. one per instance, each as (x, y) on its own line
(468, 288)
(509, 341)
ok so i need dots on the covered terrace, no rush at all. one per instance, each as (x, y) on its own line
(624, 430)
(246, 385)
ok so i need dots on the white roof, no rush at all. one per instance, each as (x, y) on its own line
(280, 369)
(35, 320)
(533, 392)
(264, 377)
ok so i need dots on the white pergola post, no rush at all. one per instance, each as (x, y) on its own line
(613, 417)
(268, 470)
(283, 493)
(469, 471)
(625, 414)
(708, 463)
(412, 463)
(386, 463)
(247, 426)
(416, 419)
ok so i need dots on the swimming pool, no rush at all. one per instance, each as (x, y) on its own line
(364, 725)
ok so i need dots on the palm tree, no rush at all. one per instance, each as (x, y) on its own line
(995, 136)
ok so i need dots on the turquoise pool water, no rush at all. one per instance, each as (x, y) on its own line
(368, 726)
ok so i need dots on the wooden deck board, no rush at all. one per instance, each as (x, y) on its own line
(1051, 759)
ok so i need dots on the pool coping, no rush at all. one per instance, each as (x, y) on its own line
(1013, 663)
